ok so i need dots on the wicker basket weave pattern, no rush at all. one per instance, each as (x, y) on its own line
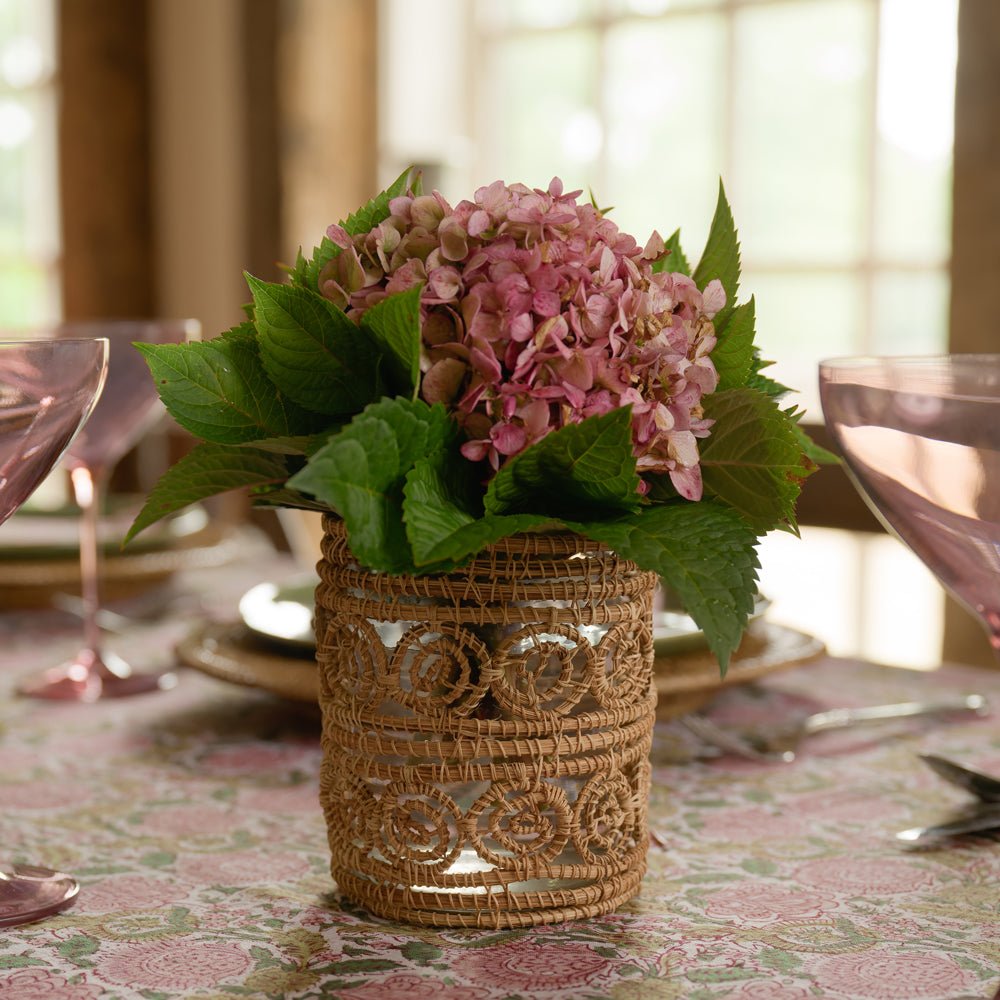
(486, 732)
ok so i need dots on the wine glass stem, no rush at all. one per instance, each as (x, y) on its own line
(85, 492)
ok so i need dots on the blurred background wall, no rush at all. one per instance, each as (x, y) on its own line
(153, 150)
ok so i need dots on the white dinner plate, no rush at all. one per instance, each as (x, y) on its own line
(281, 612)
(675, 632)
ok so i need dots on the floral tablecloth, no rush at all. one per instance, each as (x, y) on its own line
(191, 820)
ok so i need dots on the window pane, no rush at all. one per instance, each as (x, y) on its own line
(915, 125)
(911, 312)
(28, 296)
(913, 213)
(535, 13)
(664, 96)
(898, 590)
(653, 7)
(27, 41)
(863, 595)
(801, 318)
(812, 583)
(429, 130)
(801, 128)
(29, 227)
(28, 184)
(537, 111)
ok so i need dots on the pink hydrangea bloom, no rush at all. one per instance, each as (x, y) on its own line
(538, 312)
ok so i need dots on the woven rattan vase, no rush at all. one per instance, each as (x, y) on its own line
(486, 732)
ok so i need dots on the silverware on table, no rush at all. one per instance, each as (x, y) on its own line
(979, 817)
(985, 787)
(780, 744)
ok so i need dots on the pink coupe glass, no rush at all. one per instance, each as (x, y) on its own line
(129, 407)
(921, 438)
(47, 391)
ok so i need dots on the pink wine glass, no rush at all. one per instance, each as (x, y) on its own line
(47, 391)
(921, 438)
(129, 407)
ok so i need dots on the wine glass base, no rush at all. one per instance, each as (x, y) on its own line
(29, 893)
(90, 677)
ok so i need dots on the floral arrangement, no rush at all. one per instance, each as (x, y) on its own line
(442, 377)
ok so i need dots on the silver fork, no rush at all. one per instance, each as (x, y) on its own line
(781, 744)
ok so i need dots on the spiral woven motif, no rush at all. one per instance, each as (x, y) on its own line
(486, 732)
(542, 669)
(529, 823)
(435, 669)
(605, 817)
(351, 656)
(417, 824)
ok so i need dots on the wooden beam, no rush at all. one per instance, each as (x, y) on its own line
(108, 265)
(262, 139)
(328, 109)
(975, 257)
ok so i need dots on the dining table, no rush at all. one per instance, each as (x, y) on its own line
(191, 820)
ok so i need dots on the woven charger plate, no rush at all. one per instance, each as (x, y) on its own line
(230, 652)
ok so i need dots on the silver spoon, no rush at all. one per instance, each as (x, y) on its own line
(780, 744)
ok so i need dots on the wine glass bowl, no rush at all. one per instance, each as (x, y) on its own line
(129, 407)
(47, 391)
(921, 439)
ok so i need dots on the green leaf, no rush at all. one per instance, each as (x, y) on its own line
(312, 351)
(394, 326)
(442, 524)
(721, 256)
(763, 383)
(704, 551)
(813, 451)
(734, 353)
(675, 261)
(296, 444)
(244, 333)
(218, 390)
(660, 487)
(360, 473)
(306, 272)
(766, 385)
(753, 458)
(264, 496)
(377, 210)
(579, 470)
(206, 470)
